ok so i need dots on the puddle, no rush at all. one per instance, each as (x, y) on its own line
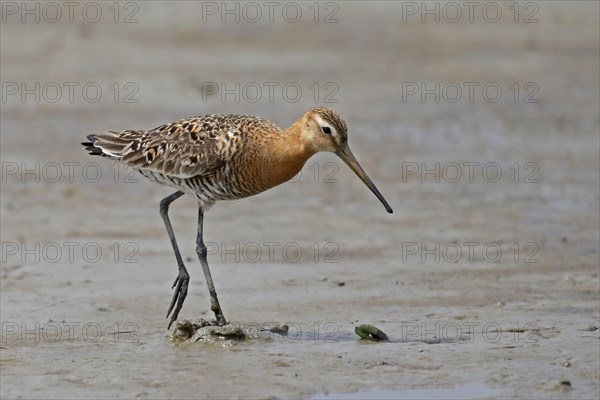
(461, 392)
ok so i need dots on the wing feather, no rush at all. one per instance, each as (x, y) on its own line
(189, 147)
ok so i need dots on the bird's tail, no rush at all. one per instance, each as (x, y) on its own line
(110, 144)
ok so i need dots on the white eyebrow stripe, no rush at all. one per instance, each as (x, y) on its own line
(323, 123)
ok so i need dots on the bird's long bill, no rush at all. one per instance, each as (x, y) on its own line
(346, 155)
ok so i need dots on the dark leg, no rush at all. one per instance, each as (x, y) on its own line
(182, 280)
(201, 250)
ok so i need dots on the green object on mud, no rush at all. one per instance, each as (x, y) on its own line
(370, 332)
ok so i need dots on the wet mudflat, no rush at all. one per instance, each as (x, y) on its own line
(485, 278)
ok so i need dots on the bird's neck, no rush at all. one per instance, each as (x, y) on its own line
(286, 154)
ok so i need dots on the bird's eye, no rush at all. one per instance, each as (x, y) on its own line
(326, 130)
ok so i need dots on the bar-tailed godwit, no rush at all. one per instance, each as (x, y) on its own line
(224, 157)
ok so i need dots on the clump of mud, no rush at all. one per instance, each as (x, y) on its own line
(209, 332)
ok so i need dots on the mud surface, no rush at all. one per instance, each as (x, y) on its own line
(487, 285)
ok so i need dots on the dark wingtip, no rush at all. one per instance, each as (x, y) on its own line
(90, 147)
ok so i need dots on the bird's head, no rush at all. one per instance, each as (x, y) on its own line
(324, 130)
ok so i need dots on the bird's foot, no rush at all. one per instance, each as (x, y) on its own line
(220, 321)
(181, 286)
